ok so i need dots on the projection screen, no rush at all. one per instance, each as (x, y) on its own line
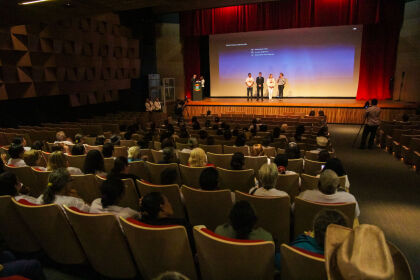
(316, 62)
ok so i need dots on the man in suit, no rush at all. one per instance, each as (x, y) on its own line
(260, 86)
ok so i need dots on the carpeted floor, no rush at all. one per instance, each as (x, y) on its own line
(388, 192)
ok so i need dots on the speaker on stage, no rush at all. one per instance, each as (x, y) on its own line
(197, 93)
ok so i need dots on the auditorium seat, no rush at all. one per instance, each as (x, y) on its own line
(156, 145)
(76, 161)
(92, 147)
(190, 176)
(407, 151)
(24, 174)
(51, 228)
(215, 149)
(157, 156)
(172, 192)
(309, 182)
(225, 259)
(305, 212)
(127, 143)
(273, 214)
(181, 146)
(220, 160)
(155, 169)
(210, 208)
(40, 182)
(157, 249)
(183, 157)
(241, 180)
(297, 264)
(103, 242)
(108, 164)
(295, 165)
(233, 149)
(313, 167)
(147, 153)
(13, 229)
(288, 183)
(130, 197)
(139, 169)
(254, 163)
(401, 265)
(270, 151)
(86, 186)
(120, 151)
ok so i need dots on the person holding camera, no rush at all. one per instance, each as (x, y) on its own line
(372, 116)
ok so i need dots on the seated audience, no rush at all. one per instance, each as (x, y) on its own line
(34, 159)
(183, 133)
(335, 165)
(37, 145)
(321, 113)
(323, 155)
(327, 191)
(60, 192)
(121, 170)
(293, 151)
(314, 241)
(112, 191)
(283, 128)
(19, 140)
(257, 150)
(108, 150)
(227, 135)
(169, 176)
(11, 267)
(100, 140)
(78, 139)
(281, 161)
(134, 154)
(94, 164)
(240, 140)
(61, 138)
(115, 140)
(238, 161)
(16, 152)
(242, 224)
(198, 158)
(210, 140)
(267, 176)
(9, 185)
(209, 179)
(156, 209)
(58, 148)
(59, 160)
(312, 113)
(276, 132)
(196, 125)
(300, 129)
(78, 150)
(169, 156)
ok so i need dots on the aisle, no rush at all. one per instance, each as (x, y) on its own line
(388, 192)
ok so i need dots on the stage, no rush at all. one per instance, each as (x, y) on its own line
(337, 110)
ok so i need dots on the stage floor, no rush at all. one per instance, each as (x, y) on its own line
(337, 110)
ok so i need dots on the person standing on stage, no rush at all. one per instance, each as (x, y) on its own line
(202, 85)
(193, 80)
(270, 84)
(148, 105)
(281, 81)
(157, 106)
(249, 82)
(372, 122)
(260, 86)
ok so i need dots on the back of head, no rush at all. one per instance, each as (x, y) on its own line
(209, 179)
(374, 102)
(168, 176)
(107, 150)
(240, 140)
(120, 165)
(312, 113)
(257, 150)
(323, 156)
(134, 152)
(283, 127)
(57, 160)
(198, 158)
(267, 175)
(335, 165)
(167, 142)
(237, 162)
(18, 140)
(171, 275)
(16, 151)
(168, 154)
(151, 205)
(100, 140)
(60, 136)
(276, 132)
(328, 182)
(78, 138)
(293, 151)
(57, 181)
(192, 142)
(37, 145)
(323, 219)
(281, 160)
(57, 148)
(112, 189)
(8, 182)
(243, 219)
(31, 157)
(94, 162)
(78, 150)
(321, 113)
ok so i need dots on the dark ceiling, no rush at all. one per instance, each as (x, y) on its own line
(12, 14)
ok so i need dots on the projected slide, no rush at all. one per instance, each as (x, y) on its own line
(316, 62)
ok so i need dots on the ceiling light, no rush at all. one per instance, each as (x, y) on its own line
(33, 2)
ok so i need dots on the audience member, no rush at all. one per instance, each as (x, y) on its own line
(78, 150)
(100, 140)
(115, 140)
(321, 113)
(59, 160)
(60, 192)
(300, 129)
(169, 176)
(171, 275)
(267, 176)
(238, 161)
(9, 185)
(108, 150)
(61, 138)
(134, 154)
(37, 145)
(240, 140)
(276, 132)
(209, 179)
(78, 139)
(282, 161)
(169, 156)
(16, 152)
(323, 155)
(283, 128)
(257, 150)
(203, 134)
(198, 158)
(293, 151)
(121, 170)
(33, 158)
(58, 148)
(335, 165)
(94, 163)
(11, 267)
(227, 134)
(20, 140)
(312, 113)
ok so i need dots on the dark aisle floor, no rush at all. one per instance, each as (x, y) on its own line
(388, 192)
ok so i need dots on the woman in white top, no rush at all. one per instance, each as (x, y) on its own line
(16, 155)
(59, 160)
(112, 191)
(33, 158)
(268, 178)
(271, 83)
(60, 192)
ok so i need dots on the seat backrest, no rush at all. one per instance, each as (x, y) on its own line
(273, 214)
(127, 143)
(220, 160)
(233, 149)
(120, 151)
(108, 164)
(288, 183)
(295, 165)
(13, 230)
(86, 186)
(305, 212)
(157, 145)
(148, 153)
(183, 158)
(215, 149)
(40, 182)
(139, 169)
(24, 174)
(149, 245)
(216, 254)
(254, 163)
(181, 146)
(270, 151)
(299, 264)
(170, 191)
(130, 197)
(104, 243)
(190, 176)
(313, 167)
(157, 156)
(210, 208)
(49, 225)
(156, 169)
(241, 180)
(76, 161)
(309, 182)
(311, 155)
(401, 265)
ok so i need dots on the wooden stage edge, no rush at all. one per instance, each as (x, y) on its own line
(347, 111)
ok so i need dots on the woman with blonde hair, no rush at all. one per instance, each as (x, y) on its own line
(33, 158)
(59, 160)
(257, 150)
(134, 154)
(267, 176)
(198, 158)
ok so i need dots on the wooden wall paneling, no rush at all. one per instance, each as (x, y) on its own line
(10, 74)
(38, 73)
(34, 44)
(3, 93)
(20, 90)
(24, 74)
(50, 74)
(19, 29)
(20, 42)
(46, 88)
(92, 98)
(6, 41)
(24, 60)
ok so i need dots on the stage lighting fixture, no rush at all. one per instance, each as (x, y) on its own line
(354, 28)
(32, 2)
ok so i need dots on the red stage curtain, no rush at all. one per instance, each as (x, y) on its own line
(382, 21)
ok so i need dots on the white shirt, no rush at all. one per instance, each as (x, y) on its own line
(281, 81)
(249, 81)
(264, 192)
(74, 171)
(202, 82)
(17, 162)
(338, 197)
(69, 201)
(124, 212)
(372, 115)
(63, 142)
(31, 199)
(271, 82)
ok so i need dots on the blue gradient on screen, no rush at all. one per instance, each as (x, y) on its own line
(306, 62)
